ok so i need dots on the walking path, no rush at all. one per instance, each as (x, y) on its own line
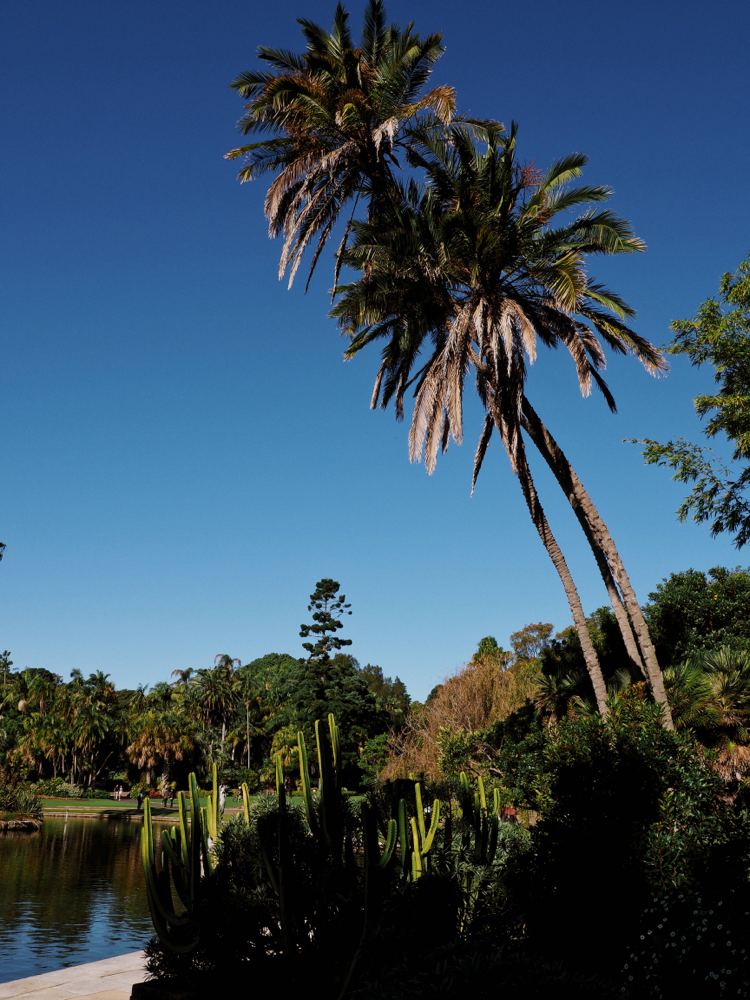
(110, 979)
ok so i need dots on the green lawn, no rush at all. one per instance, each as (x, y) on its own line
(124, 805)
(130, 805)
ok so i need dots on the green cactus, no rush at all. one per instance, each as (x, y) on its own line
(426, 836)
(312, 816)
(185, 855)
(212, 810)
(246, 802)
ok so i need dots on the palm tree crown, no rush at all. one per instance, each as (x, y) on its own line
(473, 265)
(337, 115)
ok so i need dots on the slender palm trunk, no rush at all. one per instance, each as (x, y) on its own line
(558, 560)
(556, 461)
(607, 556)
(247, 716)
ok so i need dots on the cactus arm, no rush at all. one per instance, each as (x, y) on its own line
(169, 848)
(153, 888)
(194, 852)
(201, 834)
(304, 771)
(427, 841)
(147, 835)
(416, 857)
(335, 749)
(213, 815)
(420, 813)
(403, 837)
(330, 804)
(482, 796)
(494, 829)
(322, 763)
(246, 802)
(280, 790)
(390, 843)
(184, 842)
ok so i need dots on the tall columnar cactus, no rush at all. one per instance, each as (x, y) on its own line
(185, 856)
(481, 825)
(246, 802)
(212, 810)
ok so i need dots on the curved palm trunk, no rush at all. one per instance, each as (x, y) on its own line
(607, 556)
(556, 461)
(555, 554)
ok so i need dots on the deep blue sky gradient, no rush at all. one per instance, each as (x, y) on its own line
(183, 451)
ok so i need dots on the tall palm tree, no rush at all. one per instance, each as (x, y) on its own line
(249, 693)
(218, 693)
(336, 118)
(472, 266)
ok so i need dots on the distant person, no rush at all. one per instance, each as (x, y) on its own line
(172, 793)
(164, 795)
(140, 800)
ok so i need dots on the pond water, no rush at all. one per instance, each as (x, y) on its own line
(71, 893)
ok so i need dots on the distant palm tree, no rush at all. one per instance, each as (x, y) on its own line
(161, 695)
(218, 693)
(338, 118)
(183, 677)
(248, 691)
(139, 698)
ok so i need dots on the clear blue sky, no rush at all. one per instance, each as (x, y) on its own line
(183, 451)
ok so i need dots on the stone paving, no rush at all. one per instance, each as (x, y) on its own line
(110, 979)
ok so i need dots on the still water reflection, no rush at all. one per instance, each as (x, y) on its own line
(70, 893)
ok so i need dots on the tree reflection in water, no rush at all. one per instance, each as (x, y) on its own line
(70, 893)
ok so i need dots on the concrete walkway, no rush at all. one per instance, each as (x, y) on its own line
(110, 979)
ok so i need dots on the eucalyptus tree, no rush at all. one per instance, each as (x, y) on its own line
(470, 269)
(336, 119)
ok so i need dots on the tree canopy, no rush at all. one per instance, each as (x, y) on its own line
(718, 336)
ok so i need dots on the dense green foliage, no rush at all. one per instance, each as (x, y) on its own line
(689, 613)
(718, 336)
(78, 736)
(695, 611)
(633, 880)
(18, 799)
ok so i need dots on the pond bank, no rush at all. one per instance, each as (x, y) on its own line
(20, 824)
(81, 812)
(108, 979)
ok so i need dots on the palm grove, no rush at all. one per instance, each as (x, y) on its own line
(626, 736)
(82, 735)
